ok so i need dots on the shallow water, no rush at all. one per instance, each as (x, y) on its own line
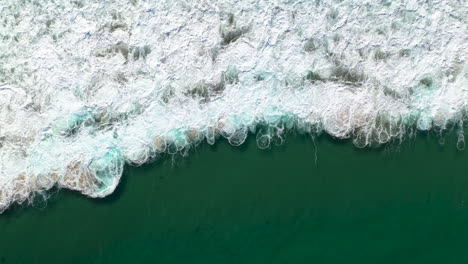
(244, 205)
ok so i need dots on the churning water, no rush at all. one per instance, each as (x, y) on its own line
(87, 86)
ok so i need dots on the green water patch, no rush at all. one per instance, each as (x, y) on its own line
(299, 202)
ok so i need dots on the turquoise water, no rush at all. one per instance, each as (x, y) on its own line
(201, 95)
(224, 204)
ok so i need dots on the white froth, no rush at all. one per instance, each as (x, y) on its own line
(86, 87)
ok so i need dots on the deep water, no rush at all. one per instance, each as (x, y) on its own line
(295, 203)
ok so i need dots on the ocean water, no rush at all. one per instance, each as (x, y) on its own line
(225, 204)
(88, 87)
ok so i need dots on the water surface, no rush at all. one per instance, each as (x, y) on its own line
(244, 205)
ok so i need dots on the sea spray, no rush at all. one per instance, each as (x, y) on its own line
(86, 87)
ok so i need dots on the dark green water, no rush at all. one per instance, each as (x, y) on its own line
(244, 205)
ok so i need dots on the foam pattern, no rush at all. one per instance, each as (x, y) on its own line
(88, 86)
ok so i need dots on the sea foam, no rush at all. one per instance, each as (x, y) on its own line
(87, 86)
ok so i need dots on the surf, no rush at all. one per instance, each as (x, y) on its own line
(86, 88)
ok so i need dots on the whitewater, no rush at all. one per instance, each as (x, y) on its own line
(89, 86)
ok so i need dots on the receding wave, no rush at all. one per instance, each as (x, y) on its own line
(86, 86)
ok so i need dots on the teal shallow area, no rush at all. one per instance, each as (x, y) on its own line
(225, 204)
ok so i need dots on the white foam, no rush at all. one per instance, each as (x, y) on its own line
(86, 87)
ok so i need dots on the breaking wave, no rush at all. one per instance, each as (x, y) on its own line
(86, 87)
